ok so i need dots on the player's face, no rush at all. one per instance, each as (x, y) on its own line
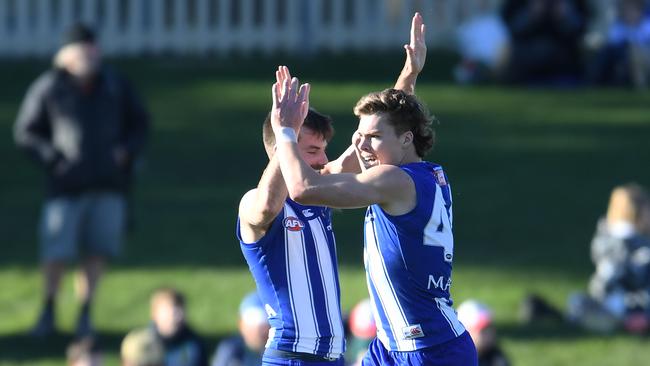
(377, 141)
(312, 148)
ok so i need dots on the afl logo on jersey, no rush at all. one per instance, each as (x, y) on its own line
(293, 223)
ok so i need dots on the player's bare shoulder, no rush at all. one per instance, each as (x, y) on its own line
(246, 202)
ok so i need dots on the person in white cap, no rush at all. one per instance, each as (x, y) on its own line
(477, 319)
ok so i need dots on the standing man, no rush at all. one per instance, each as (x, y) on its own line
(85, 125)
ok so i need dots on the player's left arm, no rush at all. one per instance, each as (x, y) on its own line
(416, 55)
(346, 163)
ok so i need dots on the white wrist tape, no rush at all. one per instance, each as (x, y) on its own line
(286, 134)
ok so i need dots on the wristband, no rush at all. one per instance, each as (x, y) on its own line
(286, 134)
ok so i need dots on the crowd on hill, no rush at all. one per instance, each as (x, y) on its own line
(557, 43)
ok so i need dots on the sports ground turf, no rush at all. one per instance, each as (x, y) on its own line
(531, 170)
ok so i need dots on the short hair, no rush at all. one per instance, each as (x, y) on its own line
(79, 33)
(170, 294)
(405, 113)
(319, 123)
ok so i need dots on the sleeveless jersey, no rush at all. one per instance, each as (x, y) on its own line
(408, 260)
(295, 269)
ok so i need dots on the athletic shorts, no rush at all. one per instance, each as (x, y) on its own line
(460, 351)
(277, 358)
(91, 222)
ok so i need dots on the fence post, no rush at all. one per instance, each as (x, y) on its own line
(201, 28)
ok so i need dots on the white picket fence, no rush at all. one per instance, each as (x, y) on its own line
(131, 27)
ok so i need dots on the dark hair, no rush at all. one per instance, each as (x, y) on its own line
(174, 295)
(79, 32)
(319, 123)
(405, 113)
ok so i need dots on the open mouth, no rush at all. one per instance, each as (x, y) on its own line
(371, 159)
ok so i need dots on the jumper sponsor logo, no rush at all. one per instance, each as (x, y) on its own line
(440, 177)
(413, 331)
(307, 213)
(293, 224)
(439, 283)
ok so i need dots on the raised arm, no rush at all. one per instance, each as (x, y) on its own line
(259, 207)
(416, 55)
(386, 185)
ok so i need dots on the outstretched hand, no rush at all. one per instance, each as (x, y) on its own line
(416, 50)
(290, 101)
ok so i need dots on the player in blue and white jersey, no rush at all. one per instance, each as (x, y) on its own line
(290, 248)
(408, 230)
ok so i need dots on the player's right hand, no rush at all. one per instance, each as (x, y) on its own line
(290, 101)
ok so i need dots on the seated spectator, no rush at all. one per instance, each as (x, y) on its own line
(621, 252)
(246, 348)
(362, 331)
(84, 352)
(546, 38)
(142, 347)
(625, 58)
(183, 347)
(477, 319)
(483, 45)
(619, 290)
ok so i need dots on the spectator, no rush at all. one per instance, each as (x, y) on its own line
(183, 347)
(625, 58)
(483, 45)
(84, 123)
(546, 40)
(477, 319)
(141, 347)
(84, 352)
(247, 348)
(619, 290)
(362, 331)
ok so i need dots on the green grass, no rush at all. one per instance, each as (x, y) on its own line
(531, 172)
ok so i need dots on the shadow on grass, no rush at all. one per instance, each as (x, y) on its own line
(21, 347)
(557, 331)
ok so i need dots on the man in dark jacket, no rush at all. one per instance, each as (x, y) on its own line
(86, 126)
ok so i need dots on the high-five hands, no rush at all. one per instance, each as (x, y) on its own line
(416, 50)
(290, 101)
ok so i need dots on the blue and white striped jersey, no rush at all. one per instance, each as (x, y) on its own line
(295, 268)
(408, 265)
